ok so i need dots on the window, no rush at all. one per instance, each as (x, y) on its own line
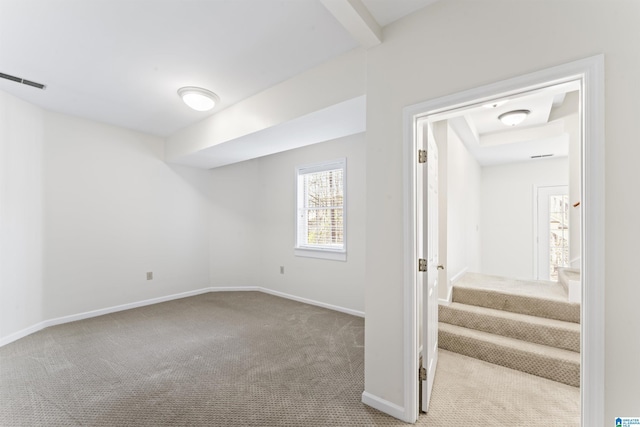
(558, 233)
(320, 210)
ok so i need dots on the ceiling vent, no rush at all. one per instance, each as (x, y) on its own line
(541, 156)
(23, 81)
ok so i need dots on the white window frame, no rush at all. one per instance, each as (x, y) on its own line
(319, 252)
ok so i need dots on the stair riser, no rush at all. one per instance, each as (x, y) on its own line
(562, 371)
(532, 306)
(539, 334)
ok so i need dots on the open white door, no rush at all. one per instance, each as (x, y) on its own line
(428, 250)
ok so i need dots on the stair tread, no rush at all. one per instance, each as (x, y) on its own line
(519, 317)
(553, 352)
(517, 303)
(538, 289)
(518, 294)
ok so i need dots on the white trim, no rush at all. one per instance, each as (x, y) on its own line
(536, 261)
(589, 73)
(318, 251)
(289, 296)
(313, 302)
(410, 334)
(321, 253)
(235, 289)
(449, 298)
(383, 405)
(593, 240)
(458, 276)
(22, 333)
(94, 313)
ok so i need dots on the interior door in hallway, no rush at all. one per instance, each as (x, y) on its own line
(428, 228)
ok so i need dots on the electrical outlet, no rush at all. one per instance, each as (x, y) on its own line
(149, 275)
(282, 269)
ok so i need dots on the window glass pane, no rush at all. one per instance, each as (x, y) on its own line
(559, 234)
(320, 207)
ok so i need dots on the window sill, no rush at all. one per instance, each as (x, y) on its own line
(320, 253)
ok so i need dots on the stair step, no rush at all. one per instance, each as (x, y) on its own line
(523, 304)
(549, 332)
(548, 362)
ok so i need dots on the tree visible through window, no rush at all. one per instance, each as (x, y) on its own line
(320, 216)
(558, 234)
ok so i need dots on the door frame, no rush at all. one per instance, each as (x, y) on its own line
(589, 72)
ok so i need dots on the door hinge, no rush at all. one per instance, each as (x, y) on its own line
(422, 156)
(422, 264)
(423, 373)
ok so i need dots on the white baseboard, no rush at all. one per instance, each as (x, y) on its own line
(385, 406)
(458, 275)
(235, 289)
(448, 299)
(22, 333)
(94, 313)
(313, 302)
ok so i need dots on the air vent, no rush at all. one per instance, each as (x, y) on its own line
(541, 156)
(23, 81)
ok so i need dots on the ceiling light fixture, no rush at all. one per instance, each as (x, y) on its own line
(513, 118)
(198, 98)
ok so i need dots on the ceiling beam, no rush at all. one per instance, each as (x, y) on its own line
(356, 18)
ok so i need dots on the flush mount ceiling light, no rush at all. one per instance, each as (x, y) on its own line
(198, 98)
(513, 118)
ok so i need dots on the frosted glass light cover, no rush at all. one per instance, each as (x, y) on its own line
(197, 98)
(513, 118)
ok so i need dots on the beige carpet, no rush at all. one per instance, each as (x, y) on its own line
(242, 359)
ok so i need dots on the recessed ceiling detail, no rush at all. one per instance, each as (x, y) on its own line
(540, 134)
(23, 81)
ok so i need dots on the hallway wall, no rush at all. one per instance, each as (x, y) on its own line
(508, 216)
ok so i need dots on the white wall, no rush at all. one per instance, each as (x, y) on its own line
(463, 208)
(508, 213)
(452, 46)
(86, 210)
(235, 246)
(21, 216)
(253, 227)
(115, 210)
(333, 282)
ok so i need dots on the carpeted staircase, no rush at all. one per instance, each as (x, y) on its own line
(528, 333)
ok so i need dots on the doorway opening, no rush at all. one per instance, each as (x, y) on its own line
(587, 76)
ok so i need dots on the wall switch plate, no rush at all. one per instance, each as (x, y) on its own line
(282, 269)
(150, 275)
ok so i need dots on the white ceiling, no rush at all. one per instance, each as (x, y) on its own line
(542, 133)
(122, 61)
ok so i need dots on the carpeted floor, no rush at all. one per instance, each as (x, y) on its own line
(242, 359)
